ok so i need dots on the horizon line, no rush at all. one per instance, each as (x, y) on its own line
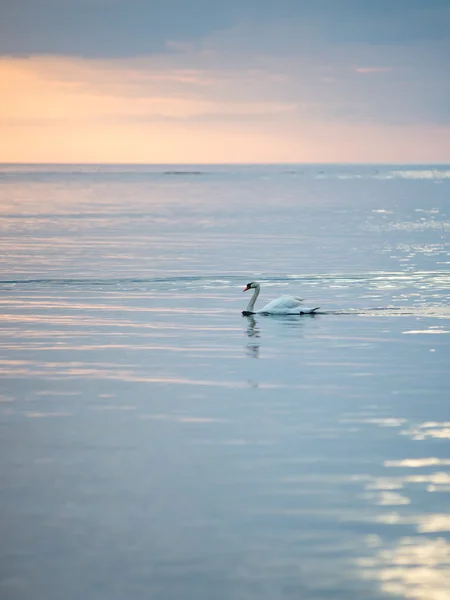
(211, 164)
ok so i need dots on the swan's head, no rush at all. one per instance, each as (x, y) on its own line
(251, 286)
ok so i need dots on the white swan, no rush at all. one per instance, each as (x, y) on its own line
(284, 305)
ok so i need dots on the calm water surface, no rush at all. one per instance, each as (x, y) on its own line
(155, 444)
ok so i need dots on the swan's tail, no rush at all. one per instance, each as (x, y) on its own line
(309, 311)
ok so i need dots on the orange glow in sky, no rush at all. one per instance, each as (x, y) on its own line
(147, 110)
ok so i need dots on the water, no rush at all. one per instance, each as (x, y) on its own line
(158, 445)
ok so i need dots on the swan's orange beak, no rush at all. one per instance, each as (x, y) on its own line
(247, 288)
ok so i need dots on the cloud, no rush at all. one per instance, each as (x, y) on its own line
(104, 28)
(370, 70)
(121, 28)
(155, 110)
(297, 76)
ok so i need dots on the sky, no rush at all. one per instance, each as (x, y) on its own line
(201, 81)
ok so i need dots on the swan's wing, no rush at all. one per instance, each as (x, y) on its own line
(300, 310)
(283, 303)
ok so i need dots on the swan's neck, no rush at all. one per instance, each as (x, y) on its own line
(251, 304)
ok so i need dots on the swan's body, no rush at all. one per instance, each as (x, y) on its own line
(284, 305)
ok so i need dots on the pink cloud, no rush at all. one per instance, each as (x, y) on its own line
(368, 70)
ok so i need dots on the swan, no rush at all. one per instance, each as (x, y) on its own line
(284, 305)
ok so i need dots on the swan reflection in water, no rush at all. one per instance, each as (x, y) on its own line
(253, 333)
(291, 323)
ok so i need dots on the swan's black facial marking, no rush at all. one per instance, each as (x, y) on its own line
(249, 285)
